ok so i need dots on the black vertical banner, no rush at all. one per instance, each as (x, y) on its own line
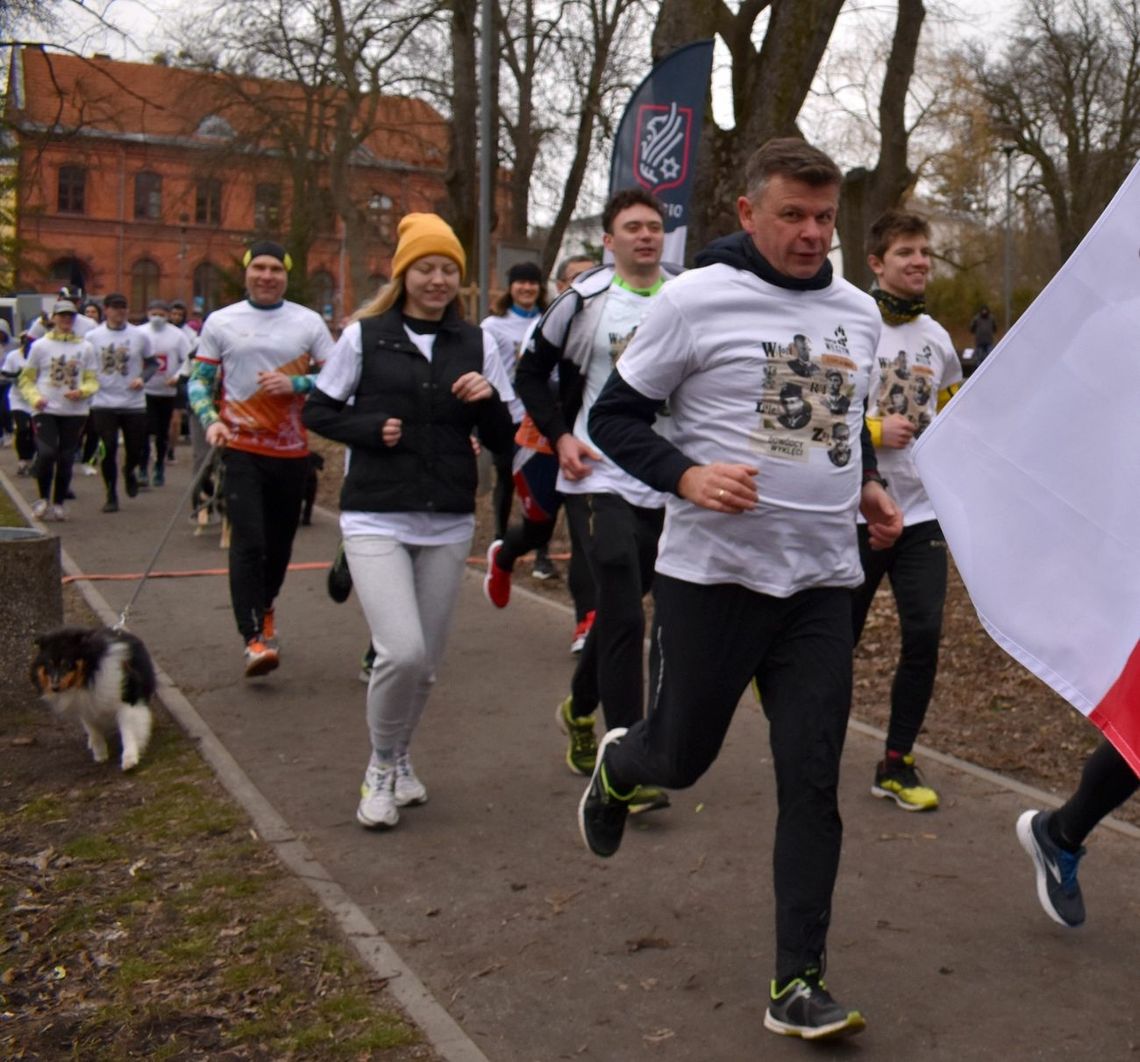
(657, 140)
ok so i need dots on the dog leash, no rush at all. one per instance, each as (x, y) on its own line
(195, 479)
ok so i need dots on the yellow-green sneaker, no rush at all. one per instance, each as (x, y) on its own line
(897, 779)
(583, 750)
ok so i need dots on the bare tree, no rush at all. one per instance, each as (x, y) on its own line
(769, 86)
(307, 80)
(463, 95)
(1065, 94)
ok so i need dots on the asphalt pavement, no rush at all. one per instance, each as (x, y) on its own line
(505, 939)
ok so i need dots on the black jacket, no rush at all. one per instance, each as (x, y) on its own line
(432, 468)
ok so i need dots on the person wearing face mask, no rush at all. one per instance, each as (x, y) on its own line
(406, 386)
(170, 349)
(255, 363)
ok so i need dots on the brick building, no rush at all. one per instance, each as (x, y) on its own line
(150, 179)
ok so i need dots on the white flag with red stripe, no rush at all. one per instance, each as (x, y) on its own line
(1034, 472)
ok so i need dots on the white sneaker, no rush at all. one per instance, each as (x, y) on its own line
(59, 513)
(409, 789)
(377, 809)
(39, 508)
(90, 470)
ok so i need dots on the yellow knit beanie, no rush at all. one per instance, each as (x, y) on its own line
(424, 234)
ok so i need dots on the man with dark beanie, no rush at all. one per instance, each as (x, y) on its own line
(262, 355)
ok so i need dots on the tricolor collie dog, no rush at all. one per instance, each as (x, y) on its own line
(102, 677)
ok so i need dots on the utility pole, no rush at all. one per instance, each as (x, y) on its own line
(486, 155)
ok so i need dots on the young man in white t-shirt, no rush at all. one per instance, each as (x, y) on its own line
(759, 555)
(123, 362)
(618, 518)
(171, 350)
(918, 372)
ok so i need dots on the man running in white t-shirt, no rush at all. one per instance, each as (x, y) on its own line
(618, 518)
(759, 555)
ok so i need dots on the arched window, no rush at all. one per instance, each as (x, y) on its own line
(148, 196)
(323, 285)
(144, 283)
(71, 195)
(70, 271)
(207, 288)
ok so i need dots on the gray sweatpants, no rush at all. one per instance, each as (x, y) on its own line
(408, 596)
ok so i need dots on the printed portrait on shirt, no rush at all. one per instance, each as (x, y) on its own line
(907, 387)
(806, 399)
(63, 372)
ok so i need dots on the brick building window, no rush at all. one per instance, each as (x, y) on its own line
(148, 196)
(208, 201)
(267, 207)
(207, 287)
(144, 283)
(72, 190)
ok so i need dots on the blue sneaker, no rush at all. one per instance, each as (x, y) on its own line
(1057, 886)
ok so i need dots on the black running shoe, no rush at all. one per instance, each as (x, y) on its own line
(1057, 887)
(340, 578)
(805, 1009)
(601, 812)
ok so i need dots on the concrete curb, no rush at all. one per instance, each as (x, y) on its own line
(439, 1029)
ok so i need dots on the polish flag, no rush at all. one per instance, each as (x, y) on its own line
(1034, 472)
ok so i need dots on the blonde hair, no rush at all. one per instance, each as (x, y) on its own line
(389, 295)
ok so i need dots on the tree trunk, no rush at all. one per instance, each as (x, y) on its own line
(868, 193)
(462, 163)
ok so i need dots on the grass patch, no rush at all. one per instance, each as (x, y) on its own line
(147, 897)
(10, 516)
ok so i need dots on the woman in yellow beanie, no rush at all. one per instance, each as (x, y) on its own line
(406, 386)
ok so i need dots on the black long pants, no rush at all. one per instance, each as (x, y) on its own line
(916, 566)
(263, 503)
(158, 411)
(57, 438)
(108, 423)
(25, 436)
(621, 547)
(713, 641)
(1107, 781)
(503, 494)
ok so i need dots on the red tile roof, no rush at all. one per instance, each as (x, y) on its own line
(98, 95)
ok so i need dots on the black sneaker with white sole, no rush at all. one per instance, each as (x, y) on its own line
(601, 812)
(804, 1008)
(1058, 890)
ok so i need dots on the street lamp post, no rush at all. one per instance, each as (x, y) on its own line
(1007, 277)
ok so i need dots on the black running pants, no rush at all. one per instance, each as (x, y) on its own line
(263, 504)
(108, 423)
(57, 439)
(713, 640)
(1107, 781)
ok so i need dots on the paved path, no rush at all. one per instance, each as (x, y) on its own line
(540, 951)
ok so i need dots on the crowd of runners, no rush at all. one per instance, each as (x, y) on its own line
(734, 438)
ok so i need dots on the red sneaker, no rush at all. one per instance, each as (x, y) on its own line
(497, 581)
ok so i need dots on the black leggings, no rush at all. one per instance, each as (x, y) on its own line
(622, 551)
(108, 423)
(1106, 782)
(25, 436)
(158, 410)
(916, 566)
(713, 641)
(56, 441)
(263, 504)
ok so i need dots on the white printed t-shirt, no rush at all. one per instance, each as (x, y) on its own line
(743, 366)
(915, 362)
(119, 354)
(171, 349)
(622, 314)
(244, 340)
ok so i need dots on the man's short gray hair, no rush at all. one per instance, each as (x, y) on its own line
(790, 157)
